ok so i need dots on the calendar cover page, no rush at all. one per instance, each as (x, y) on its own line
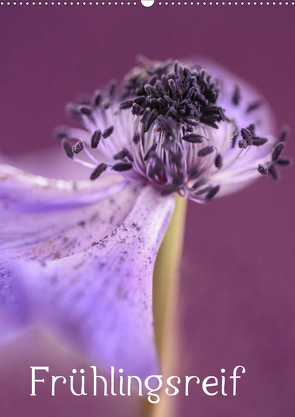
(122, 123)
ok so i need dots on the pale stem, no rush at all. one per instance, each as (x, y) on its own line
(165, 292)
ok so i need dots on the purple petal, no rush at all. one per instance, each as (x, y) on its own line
(33, 193)
(14, 314)
(37, 224)
(100, 300)
(62, 233)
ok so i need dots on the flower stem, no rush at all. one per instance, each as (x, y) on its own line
(165, 290)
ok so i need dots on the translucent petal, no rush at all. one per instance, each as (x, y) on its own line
(47, 219)
(100, 300)
(14, 314)
(239, 167)
(28, 192)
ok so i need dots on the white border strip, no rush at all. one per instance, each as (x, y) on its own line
(160, 3)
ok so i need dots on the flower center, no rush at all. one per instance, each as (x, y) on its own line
(167, 90)
(163, 126)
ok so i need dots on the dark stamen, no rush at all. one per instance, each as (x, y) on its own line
(235, 135)
(210, 118)
(106, 104)
(198, 184)
(67, 148)
(283, 162)
(262, 169)
(85, 110)
(136, 138)
(151, 91)
(194, 122)
(187, 96)
(206, 151)
(256, 141)
(135, 109)
(124, 153)
(126, 104)
(212, 124)
(193, 138)
(112, 88)
(107, 132)
(277, 150)
(96, 98)
(283, 134)
(78, 147)
(218, 161)
(247, 139)
(122, 166)
(95, 139)
(236, 96)
(140, 100)
(98, 170)
(212, 192)
(243, 144)
(246, 135)
(153, 80)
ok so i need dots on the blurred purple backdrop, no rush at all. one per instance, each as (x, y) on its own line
(236, 302)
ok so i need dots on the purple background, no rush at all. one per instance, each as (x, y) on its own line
(237, 283)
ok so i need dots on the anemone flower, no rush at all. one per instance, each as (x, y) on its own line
(77, 257)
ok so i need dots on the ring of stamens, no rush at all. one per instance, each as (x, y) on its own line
(163, 131)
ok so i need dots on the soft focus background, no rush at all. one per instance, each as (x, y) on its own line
(236, 302)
